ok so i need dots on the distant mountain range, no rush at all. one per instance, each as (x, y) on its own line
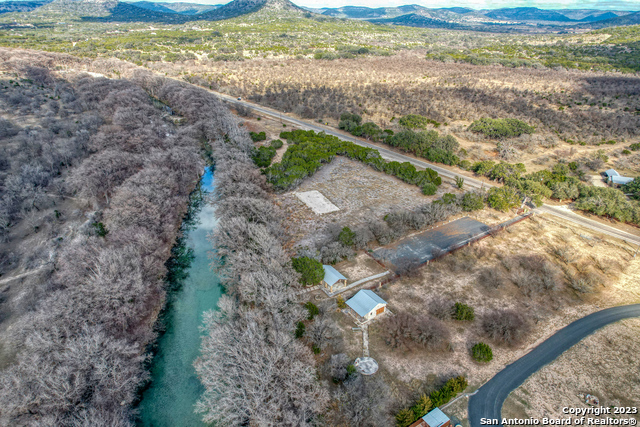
(463, 14)
(181, 8)
(504, 19)
(21, 6)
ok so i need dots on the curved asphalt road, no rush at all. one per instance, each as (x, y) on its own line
(487, 402)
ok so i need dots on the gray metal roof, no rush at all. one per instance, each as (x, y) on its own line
(611, 172)
(621, 180)
(331, 275)
(435, 418)
(364, 301)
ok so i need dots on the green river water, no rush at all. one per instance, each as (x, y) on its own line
(175, 387)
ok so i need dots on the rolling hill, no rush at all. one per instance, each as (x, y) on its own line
(181, 8)
(21, 6)
(526, 14)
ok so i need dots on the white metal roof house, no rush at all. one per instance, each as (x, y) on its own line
(367, 304)
(435, 418)
(333, 279)
(610, 173)
(615, 179)
(620, 180)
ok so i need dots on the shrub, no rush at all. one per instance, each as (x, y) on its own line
(405, 417)
(427, 144)
(422, 406)
(448, 391)
(472, 201)
(406, 331)
(635, 147)
(312, 309)
(346, 236)
(505, 326)
(606, 201)
(257, 137)
(341, 303)
(350, 122)
(481, 352)
(429, 189)
(501, 128)
(371, 130)
(633, 187)
(503, 198)
(100, 228)
(483, 168)
(415, 121)
(448, 199)
(465, 165)
(439, 397)
(262, 156)
(463, 312)
(300, 330)
(276, 143)
(311, 271)
(440, 308)
(459, 182)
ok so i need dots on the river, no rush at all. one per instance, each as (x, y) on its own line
(175, 387)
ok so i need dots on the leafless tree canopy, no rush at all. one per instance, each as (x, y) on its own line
(82, 348)
(405, 331)
(254, 370)
(505, 326)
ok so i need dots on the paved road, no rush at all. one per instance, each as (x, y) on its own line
(567, 214)
(487, 402)
(446, 173)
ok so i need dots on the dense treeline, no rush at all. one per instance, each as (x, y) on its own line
(82, 348)
(254, 370)
(427, 144)
(308, 151)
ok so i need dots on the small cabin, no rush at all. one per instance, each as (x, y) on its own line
(367, 304)
(610, 173)
(618, 181)
(333, 279)
(435, 418)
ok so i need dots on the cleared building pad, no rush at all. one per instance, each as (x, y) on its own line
(418, 249)
(317, 202)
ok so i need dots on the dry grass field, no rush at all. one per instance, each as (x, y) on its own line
(360, 192)
(604, 364)
(578, 105)
(459, 278)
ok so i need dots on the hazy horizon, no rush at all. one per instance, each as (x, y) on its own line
(473, 4)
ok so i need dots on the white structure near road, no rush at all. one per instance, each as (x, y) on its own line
(317, 202)
(333, 279)
(367, 304)
(615, 179)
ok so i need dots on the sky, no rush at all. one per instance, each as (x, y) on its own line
(474, 4)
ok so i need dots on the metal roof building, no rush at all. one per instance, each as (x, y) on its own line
(436, 418)
(620, 180)
(331, 275)
(609, 173)
(367, 304)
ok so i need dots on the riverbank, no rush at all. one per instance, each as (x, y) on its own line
(195, 289)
